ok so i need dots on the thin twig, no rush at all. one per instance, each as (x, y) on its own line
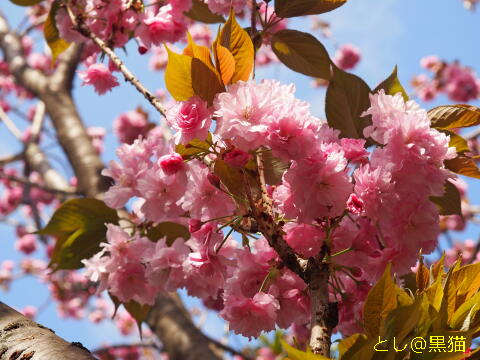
(11, 158)
(475, 252)
(85, 31)
(10, 124)
(228, 348)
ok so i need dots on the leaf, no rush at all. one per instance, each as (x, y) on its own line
(201, 12)
(273, 168)
(194, 147)
(225, 63)
(295, 354)
(422, 276)
(352, 342)
(198, 52)
(302, 53)
(137, 311)
(232, 178)
(454, 116)
(79, 226)
(170, 230)
(403, 298)
(205, 81)
(178, 76)
(26, 2)
(456, 141)
(392, 85)
(380, 301)
(450, 203)
(435, 293)
(347, 98)
(468, 308)
(52, 36)
(463, 165)
(292, 8)
(237, 40)
(437, 269)
(402, 320)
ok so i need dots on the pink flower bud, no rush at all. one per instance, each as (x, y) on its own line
(171, 163)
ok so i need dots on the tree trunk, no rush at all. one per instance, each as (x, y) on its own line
(24, 339)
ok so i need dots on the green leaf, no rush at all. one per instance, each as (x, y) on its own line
(201, 12)
(52, 36)
(26, 2)
(194, 147)
(302, 53)
(79, 226)
(381, 299)
(402, 320)
(170, 230)
(353, 342)
(450, 203)
(347, 98)
(467, 309)
(292, 8)
(454, 116)
(205, 82)
(295, 354)
(463, 165)
(392, 85)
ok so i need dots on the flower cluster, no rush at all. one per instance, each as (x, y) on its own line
(329, 190)
(458, 82)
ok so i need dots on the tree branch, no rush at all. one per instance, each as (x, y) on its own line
(180, 337)
(27, 182)
(129, 76)
(32, 79)
(21, 338)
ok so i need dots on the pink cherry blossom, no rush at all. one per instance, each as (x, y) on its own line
(191, 119)
(202, 200)
(100, 77)
(347, 56)
(251, 316)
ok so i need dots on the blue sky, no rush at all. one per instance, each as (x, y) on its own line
(388, 32)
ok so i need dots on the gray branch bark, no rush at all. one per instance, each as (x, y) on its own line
(24, 339)
(168, 319)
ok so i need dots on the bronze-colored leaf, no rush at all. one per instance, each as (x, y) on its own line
(302, 53)
(292, 8)
(347, 98)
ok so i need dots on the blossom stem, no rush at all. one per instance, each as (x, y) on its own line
(341, 252)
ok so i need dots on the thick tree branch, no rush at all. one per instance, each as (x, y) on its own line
(67, 65)
(21, 338)
(180, 337)
(32, 79)
(60, 106)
